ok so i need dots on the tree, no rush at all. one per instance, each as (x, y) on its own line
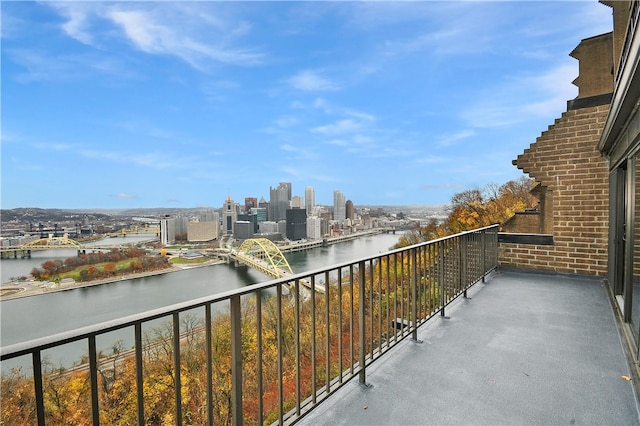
(110, 268)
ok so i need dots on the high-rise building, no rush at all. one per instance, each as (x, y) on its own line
(203, 231)
(250, 203)
(296, 224)
(260, 212)
(350, 211)
(297, 202)
(229, 215)
(313, 228)
(339, 206)
(263, 204)
(280, 201)
(309, 200)
(167, 230)
(209, 216)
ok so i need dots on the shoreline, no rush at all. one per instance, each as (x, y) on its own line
(17, 290)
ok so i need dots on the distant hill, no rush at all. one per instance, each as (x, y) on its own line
(34, 214)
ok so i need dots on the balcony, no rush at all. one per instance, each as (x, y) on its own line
(525, 348)
(433, 333)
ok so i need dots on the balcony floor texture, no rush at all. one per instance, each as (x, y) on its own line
(526, 348)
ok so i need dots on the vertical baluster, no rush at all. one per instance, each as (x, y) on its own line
(176, 368)
(209, 355)
(371, 332)
(140, 374)
(260, 355)
(236, 359)
(313, 339)
(414, 294)
(296, 298)
(361, 323)
(351, 319)
(388, 296)
(339, 328)
(279, 349)
(37, 382)
(328, 330)
(93, 377)
(395, 296)
(379, 298)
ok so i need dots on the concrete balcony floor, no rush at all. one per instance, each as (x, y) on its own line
(526, 348)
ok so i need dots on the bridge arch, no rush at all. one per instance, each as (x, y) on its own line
(264, 249)
(53, 242)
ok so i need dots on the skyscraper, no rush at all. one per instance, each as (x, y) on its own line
(339, 206)
(309, 200)
(229, 215)
(350, 211)
(280, 201)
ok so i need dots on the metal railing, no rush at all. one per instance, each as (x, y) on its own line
(267, 353)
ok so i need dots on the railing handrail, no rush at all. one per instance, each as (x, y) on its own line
(363, 308)
(26, 347)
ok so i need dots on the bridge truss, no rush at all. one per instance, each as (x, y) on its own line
(263, 255)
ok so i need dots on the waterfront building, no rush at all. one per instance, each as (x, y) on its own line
(268, 227)
(243, 230)
(296, 224)
(249, 217)
(167, 230)
(339, 206)
(202, 231)
(309, 200)
(181, 225)
(314, 228)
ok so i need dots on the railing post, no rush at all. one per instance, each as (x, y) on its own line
(39, 391)
(464, 242)
(236, 360)
(209, 355)
(139, 374)
(361, 324)
(484, 254)
(414, 296)
(441, 278)
(176, 368)
(93, 377)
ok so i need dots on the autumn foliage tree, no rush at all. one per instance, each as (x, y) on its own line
(476, 208)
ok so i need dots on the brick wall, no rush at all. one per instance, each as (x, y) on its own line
(573, 175)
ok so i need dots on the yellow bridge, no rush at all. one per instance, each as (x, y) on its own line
(263, 255)
(266, 257)
(51, 243)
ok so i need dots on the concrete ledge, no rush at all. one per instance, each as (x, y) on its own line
(534, 239)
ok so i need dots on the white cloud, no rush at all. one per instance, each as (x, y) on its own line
(340, 127)
(127, 196)
(312, 81)
(454, 139)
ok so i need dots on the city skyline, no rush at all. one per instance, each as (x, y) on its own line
(167, 104)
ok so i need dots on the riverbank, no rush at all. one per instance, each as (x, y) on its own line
(20, 289)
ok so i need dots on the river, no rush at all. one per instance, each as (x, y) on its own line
(28, 318)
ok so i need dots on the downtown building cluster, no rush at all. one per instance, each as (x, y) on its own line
(283, 217)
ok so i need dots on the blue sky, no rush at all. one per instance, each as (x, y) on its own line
(179, 104)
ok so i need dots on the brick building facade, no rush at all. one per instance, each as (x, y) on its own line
(571, 176)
